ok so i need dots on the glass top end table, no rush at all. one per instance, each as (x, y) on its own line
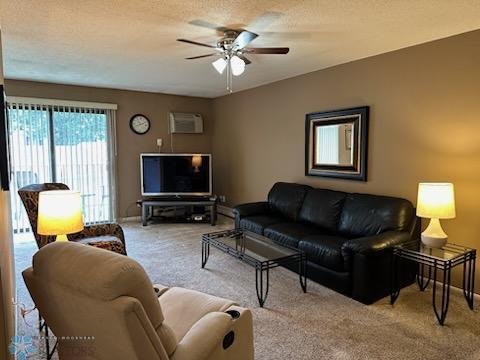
(259, 252)
(448, 252)
(436, 259)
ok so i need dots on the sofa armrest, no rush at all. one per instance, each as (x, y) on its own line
(249, 209)
(369, 260)
(372, 244)
(203, 337)
(255, 208)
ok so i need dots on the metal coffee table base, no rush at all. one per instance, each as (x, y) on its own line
(262, 277)
(262, 269)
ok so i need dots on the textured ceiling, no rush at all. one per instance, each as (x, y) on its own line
(130, 44)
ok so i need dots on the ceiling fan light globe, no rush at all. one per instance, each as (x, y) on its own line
(237, 65)
(220, 65)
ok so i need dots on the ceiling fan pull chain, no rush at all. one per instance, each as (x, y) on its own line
(229, 77)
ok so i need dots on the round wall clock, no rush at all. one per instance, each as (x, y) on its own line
(139, 124)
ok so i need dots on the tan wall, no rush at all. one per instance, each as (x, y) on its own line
(130, 145)
(424, 126)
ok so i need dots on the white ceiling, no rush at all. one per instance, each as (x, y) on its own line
(130, 44)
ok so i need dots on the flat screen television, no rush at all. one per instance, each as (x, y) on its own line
(176, 174)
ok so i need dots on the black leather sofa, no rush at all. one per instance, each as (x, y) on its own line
(347, 237)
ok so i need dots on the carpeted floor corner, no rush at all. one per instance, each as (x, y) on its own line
(318, 325)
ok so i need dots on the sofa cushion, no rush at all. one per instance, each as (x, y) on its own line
(289, 233)
(367, 215)
(324, 250)
(287, 199)
(258, 223)
(322, 208)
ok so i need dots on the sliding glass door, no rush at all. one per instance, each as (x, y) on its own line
(30, 155)
(62, 144)
(82, 159)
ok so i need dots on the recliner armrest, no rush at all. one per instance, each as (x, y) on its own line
(160, 289)
(249, 209)
(372, 244)
(206, 334)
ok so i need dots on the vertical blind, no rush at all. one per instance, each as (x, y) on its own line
(328, 153)
(54, 141)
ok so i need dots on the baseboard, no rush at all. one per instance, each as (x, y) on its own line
(225, 211)
(129, 218)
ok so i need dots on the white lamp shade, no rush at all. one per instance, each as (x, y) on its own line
(436, 201)
(220, 65)
(59, 212)
(238, 65)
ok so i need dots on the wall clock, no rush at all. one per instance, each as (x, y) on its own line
(139, 124)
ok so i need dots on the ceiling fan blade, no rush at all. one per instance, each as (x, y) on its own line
(243, 39)
(195, 43)
(200, 56)
(265, 20)
(283, 35)
(269, 50)
(205, 24)
(244, 59)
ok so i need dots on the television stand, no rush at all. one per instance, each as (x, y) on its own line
(148, 204)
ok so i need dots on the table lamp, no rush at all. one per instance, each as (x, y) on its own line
(59, 213)
(196, 162)
(435, 201)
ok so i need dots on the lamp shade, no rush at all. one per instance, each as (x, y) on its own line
(436, 201)
(59, 212)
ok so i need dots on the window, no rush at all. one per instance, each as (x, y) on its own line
(68, 144)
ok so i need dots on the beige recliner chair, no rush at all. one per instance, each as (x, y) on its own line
(101, 305)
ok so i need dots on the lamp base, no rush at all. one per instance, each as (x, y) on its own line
(62, 237)
(434, 236)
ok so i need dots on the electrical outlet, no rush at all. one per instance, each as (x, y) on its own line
(159, 142)
(222, 198)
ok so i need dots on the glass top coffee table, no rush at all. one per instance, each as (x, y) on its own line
(258, 251)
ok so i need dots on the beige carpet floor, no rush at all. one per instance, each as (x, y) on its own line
(318, 325)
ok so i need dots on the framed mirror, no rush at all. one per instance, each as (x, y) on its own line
(336, 143)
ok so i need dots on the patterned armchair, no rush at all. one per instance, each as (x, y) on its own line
(105, 236)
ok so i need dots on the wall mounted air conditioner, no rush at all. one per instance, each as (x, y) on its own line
(183, 123)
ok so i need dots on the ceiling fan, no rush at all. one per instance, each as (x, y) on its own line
(232, 48)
